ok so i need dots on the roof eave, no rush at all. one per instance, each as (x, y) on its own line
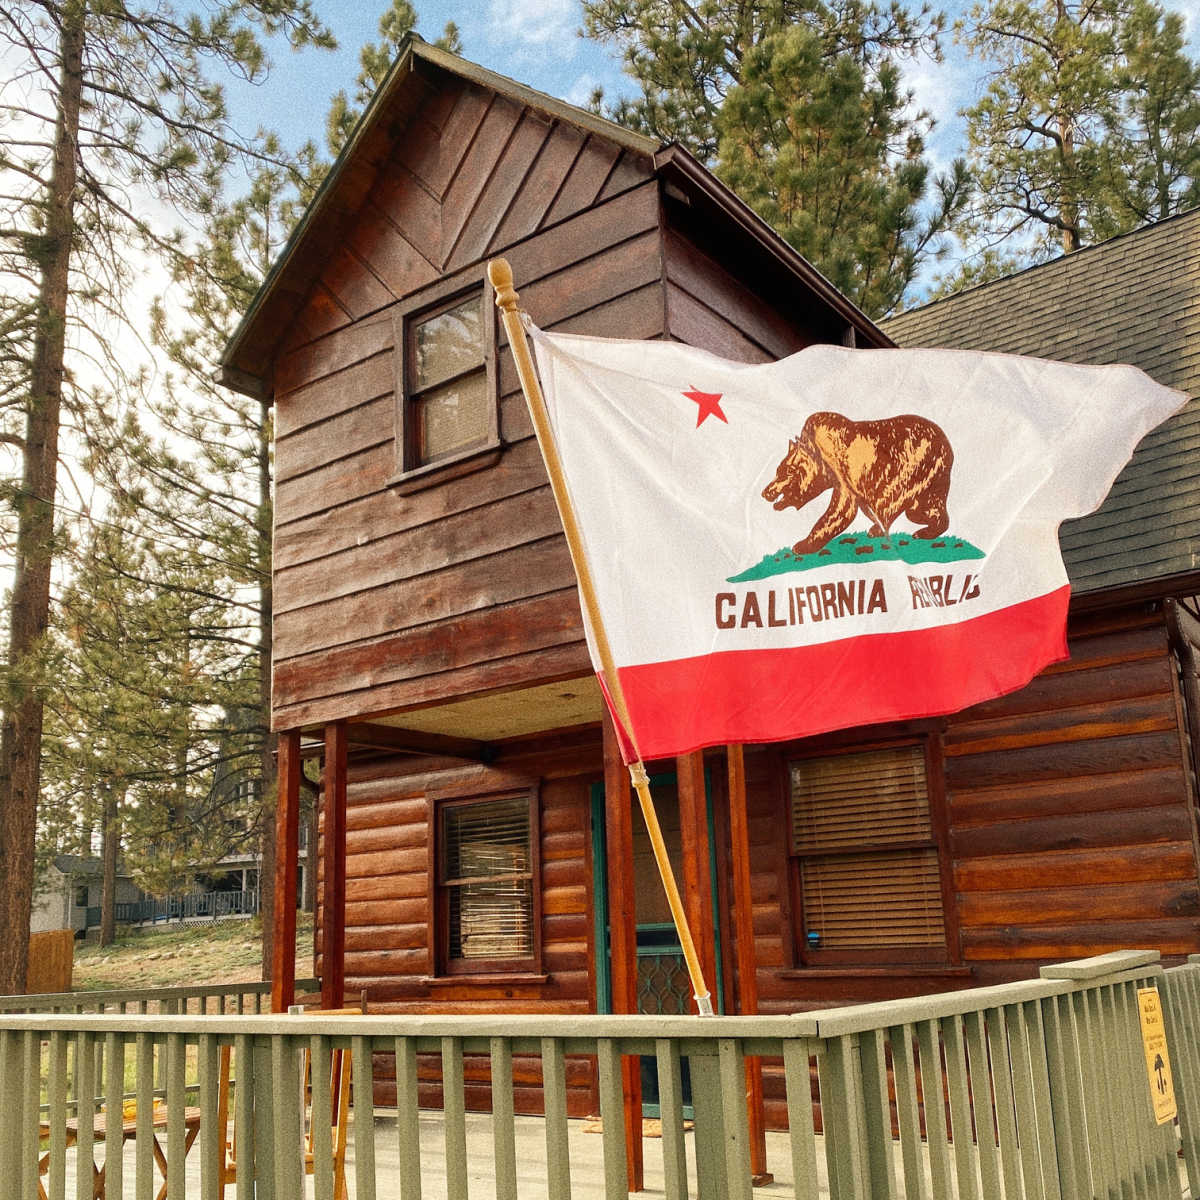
(236, 376)
(675, 158)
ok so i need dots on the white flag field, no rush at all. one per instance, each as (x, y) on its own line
(840, 538)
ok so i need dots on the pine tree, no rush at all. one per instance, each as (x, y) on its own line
(834, 162)
(797, 105)
(135, 123)
(375, 60)
(1089, 124)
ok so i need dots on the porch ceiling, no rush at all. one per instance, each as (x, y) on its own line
(501, 715)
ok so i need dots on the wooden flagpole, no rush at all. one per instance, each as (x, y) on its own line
(501, 277)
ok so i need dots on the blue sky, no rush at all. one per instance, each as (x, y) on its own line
(537, 43)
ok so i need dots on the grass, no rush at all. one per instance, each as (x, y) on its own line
(859, 548)
(182, 956)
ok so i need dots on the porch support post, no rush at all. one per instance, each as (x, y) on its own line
(743, 938)
(622, 938)
(696, 851)
(287, 849)
(333, 849)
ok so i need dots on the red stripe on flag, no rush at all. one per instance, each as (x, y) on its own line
(777, 695)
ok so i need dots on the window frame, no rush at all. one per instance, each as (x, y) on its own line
(890, 957)
(442, 964)
(410, 474)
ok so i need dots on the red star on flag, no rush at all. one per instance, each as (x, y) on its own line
(709, 405)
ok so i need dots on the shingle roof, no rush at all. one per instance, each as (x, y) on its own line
(1134, 299)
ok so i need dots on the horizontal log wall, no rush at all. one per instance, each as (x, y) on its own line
(1072, 829)
(1072, 823)
(388, 906)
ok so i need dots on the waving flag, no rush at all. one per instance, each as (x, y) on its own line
(841, 538)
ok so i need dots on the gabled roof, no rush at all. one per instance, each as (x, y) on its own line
(1133, 299)
(246, 358)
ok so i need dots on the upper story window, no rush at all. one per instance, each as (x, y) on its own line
(446, 393)
(487, 900)
(867, 862)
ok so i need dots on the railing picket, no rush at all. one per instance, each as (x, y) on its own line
(364, 1119)
(85, 1114)
(1122, 1184)
(455, 1117)
(408, 1119)
(11, 1084)
(732, 1066)
(983, 1099)
(841, 1115)
(265, 1120)
(56, 1089)
(320, 1121)
(28, 1120)
(1065, 1100)
(176, 1117)
(908, 1118)
(288, 1117)
(114, 1117)
(1001, 1055)
(241, 1083)
(504, 1141)
(1040, 1078)
(143, 1167)
(881, 1164)
(670, 1110)
(936, 1137)
(212, 1139)
(1182, 1030)
(797, 1076)
(553, 1090)
(612, 1118)
(958, 1086)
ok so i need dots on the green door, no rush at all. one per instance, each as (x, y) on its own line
(662, 979)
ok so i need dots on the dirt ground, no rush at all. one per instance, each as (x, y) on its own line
(182, 956)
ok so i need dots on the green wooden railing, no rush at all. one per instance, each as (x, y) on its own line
(1029, 1090)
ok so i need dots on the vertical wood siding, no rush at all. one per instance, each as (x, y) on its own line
(382, 599)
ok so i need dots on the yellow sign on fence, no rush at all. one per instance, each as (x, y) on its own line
(1158, 1061)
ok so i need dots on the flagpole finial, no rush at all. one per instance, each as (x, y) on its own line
(501, 278)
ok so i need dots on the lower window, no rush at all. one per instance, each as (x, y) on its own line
(486, 878)
(867, 864)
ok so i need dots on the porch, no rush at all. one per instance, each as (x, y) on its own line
(1046, 1091)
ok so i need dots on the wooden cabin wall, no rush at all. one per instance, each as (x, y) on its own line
(707, 306)
(388, 913)
(1072, 811)
(1072, 829)
(382, 599)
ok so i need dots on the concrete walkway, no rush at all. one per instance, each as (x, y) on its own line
(585, 1149)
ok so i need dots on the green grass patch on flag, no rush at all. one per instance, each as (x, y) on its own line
(859, 548)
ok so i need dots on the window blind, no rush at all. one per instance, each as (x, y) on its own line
(878, 797)
(862, 833)
(486, 869)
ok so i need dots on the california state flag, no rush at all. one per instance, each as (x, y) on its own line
(837, 539)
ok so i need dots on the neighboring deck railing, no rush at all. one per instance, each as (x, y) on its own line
(1028, 1090)
(207, 999)
(195, 906)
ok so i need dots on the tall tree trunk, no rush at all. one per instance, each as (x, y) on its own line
(266, 873)
(1068, 209)
(21, 735)
(110, 852)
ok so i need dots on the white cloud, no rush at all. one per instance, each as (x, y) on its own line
(580, 92)
(536, 27)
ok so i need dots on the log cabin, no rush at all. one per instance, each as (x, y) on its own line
(480, 848)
